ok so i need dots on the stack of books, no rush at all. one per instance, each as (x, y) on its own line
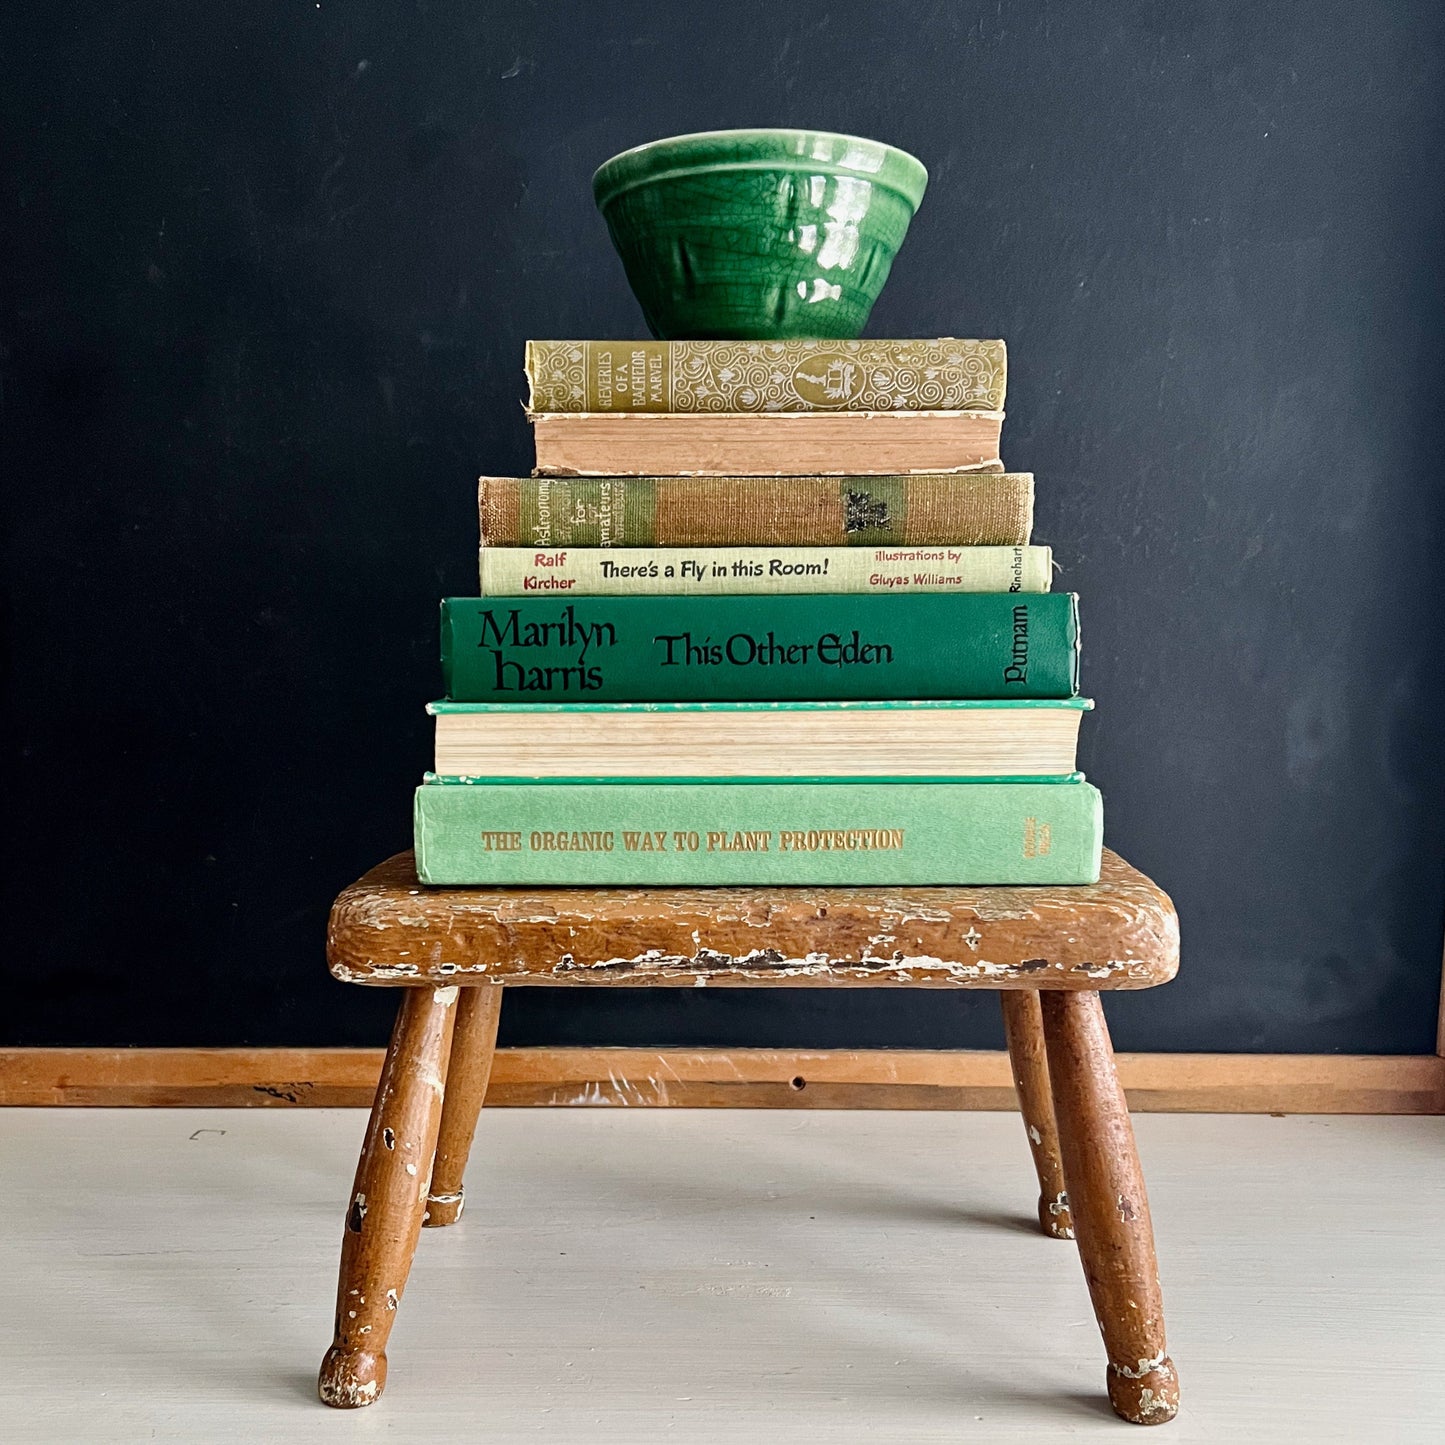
(766, 612)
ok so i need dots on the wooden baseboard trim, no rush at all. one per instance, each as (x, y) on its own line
(723, 1078)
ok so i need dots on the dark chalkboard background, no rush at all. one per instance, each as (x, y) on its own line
(267, 272)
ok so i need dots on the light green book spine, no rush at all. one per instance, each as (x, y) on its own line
(718, 571)
(688, 831)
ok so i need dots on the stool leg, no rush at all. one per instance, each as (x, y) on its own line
(473, 1046)
(1110, 1208)
(387, 1199)
(1023, 1026)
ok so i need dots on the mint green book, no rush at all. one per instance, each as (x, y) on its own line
(601, 831)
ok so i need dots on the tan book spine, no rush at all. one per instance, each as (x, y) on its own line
(943, 374)
(767, 444)
(759, 571)
(988, 509)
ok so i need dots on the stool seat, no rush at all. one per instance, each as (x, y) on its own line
(1121, 932)
(1049, 951)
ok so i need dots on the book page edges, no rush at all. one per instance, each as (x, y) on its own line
(672, 416)
(1077, 704)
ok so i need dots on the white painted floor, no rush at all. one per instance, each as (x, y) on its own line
(661, 1275)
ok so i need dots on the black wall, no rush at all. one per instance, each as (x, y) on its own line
(267, 272)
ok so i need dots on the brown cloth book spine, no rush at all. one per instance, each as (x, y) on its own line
(982, 509)
(642, 444)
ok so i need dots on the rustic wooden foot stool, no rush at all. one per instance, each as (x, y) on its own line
(1049, 950)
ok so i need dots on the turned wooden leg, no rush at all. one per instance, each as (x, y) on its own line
(473, 1045)
(1109, 1206)
(388, 1197)
(1023, 1026)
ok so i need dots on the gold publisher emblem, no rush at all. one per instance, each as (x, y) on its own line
(828, 380)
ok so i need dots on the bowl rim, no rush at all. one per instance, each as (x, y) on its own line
(655, 160)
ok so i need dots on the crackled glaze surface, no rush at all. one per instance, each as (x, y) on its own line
(758, 234)
(1118, 933)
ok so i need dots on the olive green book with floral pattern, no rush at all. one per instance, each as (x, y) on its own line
(944, 374)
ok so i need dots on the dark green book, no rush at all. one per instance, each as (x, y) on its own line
(710, 832)
(736, 649)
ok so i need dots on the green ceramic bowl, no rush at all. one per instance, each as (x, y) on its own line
(758, 234)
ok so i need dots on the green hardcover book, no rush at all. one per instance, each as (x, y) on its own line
(977, 509)
(684, 831)
(942, 374)
(759, 571)
(738, 649)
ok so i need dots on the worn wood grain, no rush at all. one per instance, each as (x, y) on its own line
(388, 1197)
(1120, 933)
(286, 1078)
(1023, 1027)
(1065, 944)
(1110, 1208)
(474, 1045)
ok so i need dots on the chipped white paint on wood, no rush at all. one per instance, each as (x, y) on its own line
(762, 966)
(1121, 933)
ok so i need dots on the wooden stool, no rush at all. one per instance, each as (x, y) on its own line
(1049, 950)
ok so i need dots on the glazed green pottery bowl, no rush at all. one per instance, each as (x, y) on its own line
(758, 234)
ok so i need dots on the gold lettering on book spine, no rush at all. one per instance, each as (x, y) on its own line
(1038, 842)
